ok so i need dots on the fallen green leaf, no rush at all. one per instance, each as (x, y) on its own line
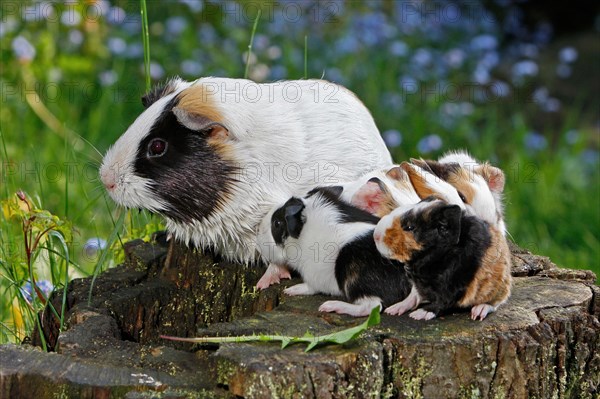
(338, 337)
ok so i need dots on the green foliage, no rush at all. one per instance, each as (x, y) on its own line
(64, 104)
(339, 337)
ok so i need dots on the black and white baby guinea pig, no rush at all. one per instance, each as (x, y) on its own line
(378, 192)
(480, 185)
(210, 155)
(330, 244)
(453, 259)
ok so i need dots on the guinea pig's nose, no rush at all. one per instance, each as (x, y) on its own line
(108, 179)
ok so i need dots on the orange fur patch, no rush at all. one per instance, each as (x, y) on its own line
(198, 101)
(461, 180)
(418, 181)
(492, 282)
(400, 178)
(401, 243)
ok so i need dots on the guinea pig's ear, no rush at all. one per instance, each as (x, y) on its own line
(493, 176)
(293, 217)
(200, 123)
(449, 222)
(398, 174)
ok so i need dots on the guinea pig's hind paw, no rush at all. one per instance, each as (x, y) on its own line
(481, 311)
(422, 314)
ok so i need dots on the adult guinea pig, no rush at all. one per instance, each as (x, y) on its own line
(330, 244)
(211, 155)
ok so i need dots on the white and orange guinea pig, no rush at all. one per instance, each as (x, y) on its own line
(212, 155)
(453, 259)
(480, 185)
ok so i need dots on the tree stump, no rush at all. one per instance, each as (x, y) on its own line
(543, 343)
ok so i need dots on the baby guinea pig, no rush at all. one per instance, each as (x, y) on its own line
(330, 244)
(474, 183)
(381, 191)
(210, 155)
(378, 192)
(453, 259)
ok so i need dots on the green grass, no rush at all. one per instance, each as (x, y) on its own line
(51, 146)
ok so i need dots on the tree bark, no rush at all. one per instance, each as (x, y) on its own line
(543, 343)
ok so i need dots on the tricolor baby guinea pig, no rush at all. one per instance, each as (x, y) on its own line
(453, 259)
(480, 186)
(330, 244)
(211, 155)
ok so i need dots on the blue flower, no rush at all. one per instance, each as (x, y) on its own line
(116, 16)
(535, 141)
(23, 50)
(191, 68)
(563, 71)
(108, 78)
(568, 55)
(44, 285)
(398, 48)
(572, 136)
(156, 71)
(523, 69)
(590, 157)
(93, 246)
(429, 143)
(176, 25)
(70, 17)
(484, 42)
(194, 5)
(116, 45)
(278, 72)
(392, 138)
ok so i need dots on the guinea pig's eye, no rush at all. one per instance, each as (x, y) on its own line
(157, 148)
(409, 227)
(277, 223)
(462, 197)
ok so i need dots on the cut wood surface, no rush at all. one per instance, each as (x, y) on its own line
(543, 343)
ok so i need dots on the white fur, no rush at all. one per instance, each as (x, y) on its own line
(400, 196)
(314, 252)
(328, 138)
(361, 307)
(442, 188)
(409, 303)
(485, 204)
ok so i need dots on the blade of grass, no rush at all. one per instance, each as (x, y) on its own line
(305, 56)
(146, 41)
(111, 239)
(250, 44)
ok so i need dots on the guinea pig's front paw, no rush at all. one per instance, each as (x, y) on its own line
(337, 307)
(273, 275)
(422, 314)
(299, 289)
(398, 309)
(481, 311)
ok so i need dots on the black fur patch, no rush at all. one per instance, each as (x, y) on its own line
(348, 212)
(157, 93)
(287, 221)
(453, 245)
(190, 177)
(361, 271)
